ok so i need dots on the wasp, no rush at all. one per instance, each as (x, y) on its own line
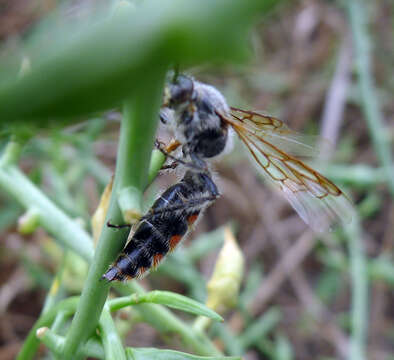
(163, 227)
(203, 123)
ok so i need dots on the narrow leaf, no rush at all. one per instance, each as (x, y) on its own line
(156, 354)
(183, 303)
(169, 299)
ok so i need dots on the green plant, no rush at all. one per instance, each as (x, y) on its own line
(120, 59)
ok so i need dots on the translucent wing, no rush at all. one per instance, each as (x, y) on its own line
(318, 201)
(277, 133)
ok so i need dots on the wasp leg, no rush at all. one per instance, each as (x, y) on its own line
(172, 166)
(109, 224)
(172, 146)
(185, 206)
(198, 167)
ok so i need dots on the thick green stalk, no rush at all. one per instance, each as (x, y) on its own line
(370, 104)
(156, 162)
(137, 137)
(136, 140)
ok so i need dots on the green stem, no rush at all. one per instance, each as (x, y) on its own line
(52, 341)
(52, 296)
(202, 323)
(165, 322)
(135, 144)
(66, 307)
(359, 278)
(56, 343)
(371, 107)
(11, 154)
(60, 322)
(64, 230)
(156, 162)
(137, 136)
(113, 347)
(158, 316)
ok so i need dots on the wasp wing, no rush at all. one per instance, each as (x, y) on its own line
(277, 133)
(319, 202)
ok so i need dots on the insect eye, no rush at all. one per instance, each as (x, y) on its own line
(182, 90)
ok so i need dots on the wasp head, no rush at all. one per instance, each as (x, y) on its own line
(178, 92)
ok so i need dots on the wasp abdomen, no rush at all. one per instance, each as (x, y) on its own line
(164, 226)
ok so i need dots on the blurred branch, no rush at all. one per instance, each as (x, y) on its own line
(335, 101)
(314, 307)
(64, 230)
(260, 328)
(373, 115)
(357, 175)
(290, 261)
(358, 273)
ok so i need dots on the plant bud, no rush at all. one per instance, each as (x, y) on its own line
(29, 222)
(99, 215)
(223, 288)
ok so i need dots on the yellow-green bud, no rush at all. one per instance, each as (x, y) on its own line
(29, 222)
(99, 215)
(223, 288)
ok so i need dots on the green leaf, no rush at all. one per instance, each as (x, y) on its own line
(156, 354)
(181, 302)
(92, 69)
(169, 299)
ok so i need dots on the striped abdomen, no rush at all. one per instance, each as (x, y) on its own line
(164, 226)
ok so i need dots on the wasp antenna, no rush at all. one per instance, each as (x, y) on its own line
(109, 224)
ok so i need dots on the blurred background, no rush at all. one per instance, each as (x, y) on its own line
(297, 299)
